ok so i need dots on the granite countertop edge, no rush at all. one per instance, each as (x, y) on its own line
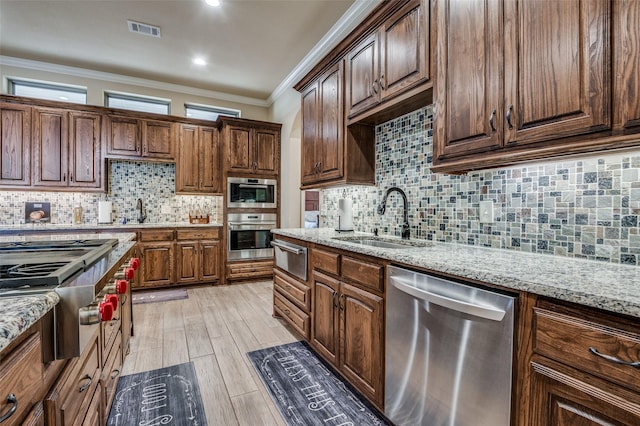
(601, 285)
(56, 227)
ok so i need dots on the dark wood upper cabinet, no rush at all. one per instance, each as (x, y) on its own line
(66, 149)
(391, 60)
(252, 147)
(322, 135)
(557, 69)
(468, 85)
(198, 165)
(15, 144)
(523, 80)
(137, 138)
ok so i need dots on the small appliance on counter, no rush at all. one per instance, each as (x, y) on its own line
(345, 215)
(104, 211)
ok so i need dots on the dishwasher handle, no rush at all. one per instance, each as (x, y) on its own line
(281, 246)
(486, 312)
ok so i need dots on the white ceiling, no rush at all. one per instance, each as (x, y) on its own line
(251, 46)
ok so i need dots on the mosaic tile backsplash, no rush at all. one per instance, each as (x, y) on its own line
(586, 207)
(153, 183)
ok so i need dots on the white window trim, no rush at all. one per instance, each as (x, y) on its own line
(136, 97)
(9, 82)
(212, 108)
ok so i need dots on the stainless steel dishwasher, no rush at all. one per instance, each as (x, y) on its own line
(449, 350)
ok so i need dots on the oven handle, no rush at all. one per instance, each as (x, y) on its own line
(253, 186)
(238, 226)
(287, 248)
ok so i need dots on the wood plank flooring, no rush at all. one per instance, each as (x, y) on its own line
(215, 328)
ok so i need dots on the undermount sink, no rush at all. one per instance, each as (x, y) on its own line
(382, 242)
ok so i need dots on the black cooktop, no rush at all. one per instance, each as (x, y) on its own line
(48, 263)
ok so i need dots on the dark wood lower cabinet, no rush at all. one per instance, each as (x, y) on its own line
(325, 323)
(563, 396)
(157, 264)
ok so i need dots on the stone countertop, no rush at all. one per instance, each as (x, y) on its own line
(86, 227)
(608, 286)
(18, 313)
(81, 235)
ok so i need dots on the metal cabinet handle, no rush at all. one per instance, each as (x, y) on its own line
(342, 302)
(509, 117)
(492, 120)
(635, 364)
(373, 86)
(11, 399)
(64, 177)
(86, 385)
(70, 177)
(382, 82)
(115, 373)
(487, 312)
(281, 246)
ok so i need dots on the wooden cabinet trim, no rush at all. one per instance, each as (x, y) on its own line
(325, 261)
(294, 290)
(156, 235)
(294, 316)
(368, 275)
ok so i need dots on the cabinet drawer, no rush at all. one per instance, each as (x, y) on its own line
(111, 373)
(294, 316)
(294, 290)
(110, 330)
(21, 375)
(249, 270)
(326, 261)
(198, 234)
(70, 397)
(573, 340)
(366, 274)
(164, 235)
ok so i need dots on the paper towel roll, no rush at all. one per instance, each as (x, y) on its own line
(104, 212)
(345, 214)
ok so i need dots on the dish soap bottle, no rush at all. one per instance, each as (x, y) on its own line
(77, 214)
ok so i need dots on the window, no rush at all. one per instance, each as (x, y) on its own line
(207, 112)
(47, 90)
(137, 102)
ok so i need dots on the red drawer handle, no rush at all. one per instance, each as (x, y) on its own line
(610, 358)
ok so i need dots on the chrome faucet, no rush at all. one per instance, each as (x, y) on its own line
(141, 215)
(383, 206)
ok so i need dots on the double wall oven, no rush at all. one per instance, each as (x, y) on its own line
(251, 216)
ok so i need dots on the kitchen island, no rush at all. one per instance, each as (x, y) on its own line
(18, 313)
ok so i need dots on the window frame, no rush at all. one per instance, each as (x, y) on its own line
(150, 100)
(226, 112)
(69, 89)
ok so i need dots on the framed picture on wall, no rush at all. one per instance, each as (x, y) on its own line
(37, 212)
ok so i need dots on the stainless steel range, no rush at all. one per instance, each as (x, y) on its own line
(88, 275)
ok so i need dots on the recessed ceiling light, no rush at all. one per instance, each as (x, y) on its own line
(214, 3)
(199, 61)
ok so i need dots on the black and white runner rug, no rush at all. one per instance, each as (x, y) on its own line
(168, 396)
(307, 392)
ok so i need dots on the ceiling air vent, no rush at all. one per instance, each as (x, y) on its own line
(144, 29)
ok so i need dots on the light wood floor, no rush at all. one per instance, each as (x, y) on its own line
(215, 328)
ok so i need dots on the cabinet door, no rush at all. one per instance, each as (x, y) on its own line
(561, 396)
(15, 144)
(331, 125)
(157, 139)
(363, 87)
(188, 257)
(266, 151)
(310, 122)
(187, 178)
(210, 260)
(626, 64)
(209, 154)
(240, 149)
(404, 49)
(124, 136)
(361, 340)
(324, 326)
(50, 147)
(85, 165)
(156, 264)
(468, 86)
(557, 76)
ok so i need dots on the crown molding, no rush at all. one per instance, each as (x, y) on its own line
(347, 23)
(123, 79)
